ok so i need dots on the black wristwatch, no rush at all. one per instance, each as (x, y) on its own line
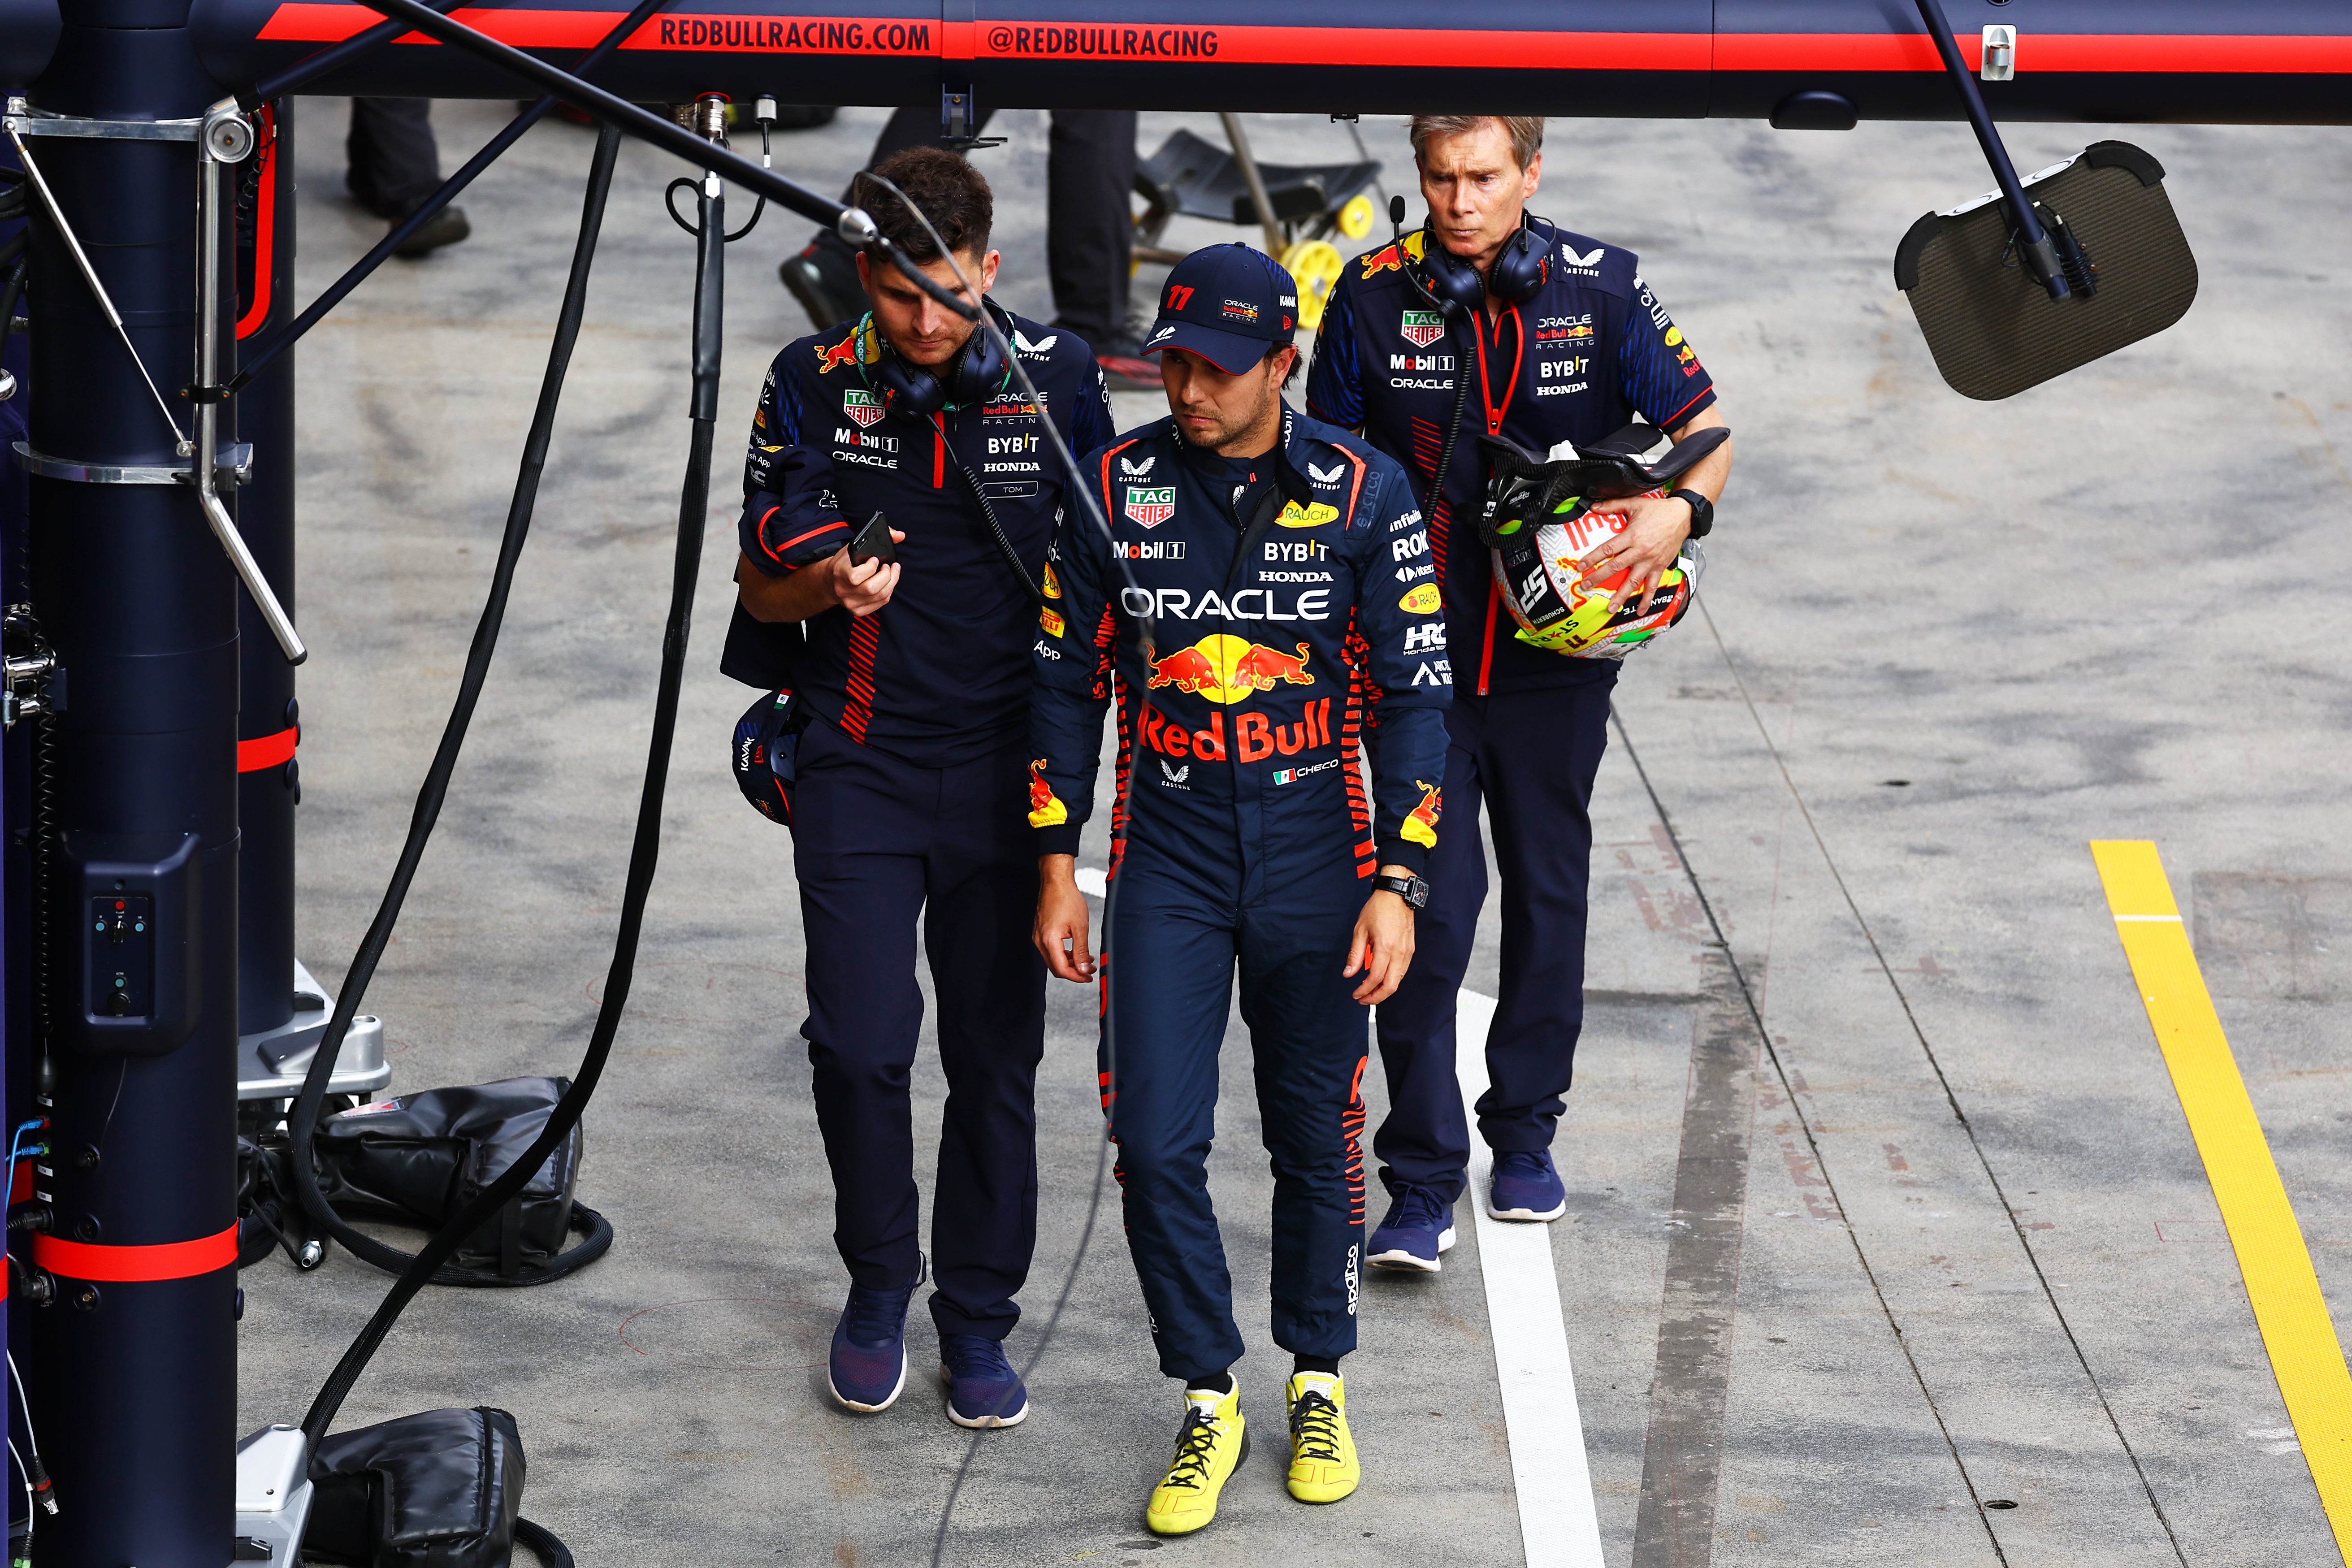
(1411, 888)
(1702, 513)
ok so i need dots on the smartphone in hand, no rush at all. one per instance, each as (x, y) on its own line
(872, 542)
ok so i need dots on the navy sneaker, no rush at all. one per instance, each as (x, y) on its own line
(1526, 1186)
(868, 1365)
(1420, 1226)
(982, 1388)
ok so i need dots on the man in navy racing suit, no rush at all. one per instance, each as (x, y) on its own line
(1283, 568)
(1539, 336)
(911, 771)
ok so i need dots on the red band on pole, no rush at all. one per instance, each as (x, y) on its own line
(268, 751)
(110, 1264)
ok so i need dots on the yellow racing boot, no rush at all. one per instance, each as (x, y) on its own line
(1208, 1448)
(1323, 1465)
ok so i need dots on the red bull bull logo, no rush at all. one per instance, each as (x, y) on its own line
(1228, 668)
(1045, 808)
(1393, 257)
(840, 353)
(1421, 823)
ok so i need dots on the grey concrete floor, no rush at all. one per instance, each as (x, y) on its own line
(1943, 646)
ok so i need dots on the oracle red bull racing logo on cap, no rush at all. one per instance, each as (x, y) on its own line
(1421, 327)
(862, 406)
(1225, 669)
(1148, 507)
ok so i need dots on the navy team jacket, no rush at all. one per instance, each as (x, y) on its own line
(1574, 362)
(940, 674)
(1277, 633)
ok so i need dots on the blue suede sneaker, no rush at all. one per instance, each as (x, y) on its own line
(1420, 1226)
(982, 1388)
(868, 1365)
(1526, 1186)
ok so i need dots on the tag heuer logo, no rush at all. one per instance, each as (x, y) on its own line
(1423, 328)
(1150, 508)
(862, 407)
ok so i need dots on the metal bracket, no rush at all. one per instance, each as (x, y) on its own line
(1999, 60)
(236, 461)
(26, 661)
(959, 122)
(25, 120)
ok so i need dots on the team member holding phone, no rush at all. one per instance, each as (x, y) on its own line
(913, 681)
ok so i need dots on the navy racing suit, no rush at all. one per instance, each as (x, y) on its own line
(1290, 596)
(907, 807)
(1590, 349)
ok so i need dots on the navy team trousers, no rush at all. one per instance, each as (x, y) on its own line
(878, 845)
(1529, 760)
(1175, 939)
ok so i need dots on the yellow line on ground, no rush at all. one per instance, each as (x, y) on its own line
(2297, 1329)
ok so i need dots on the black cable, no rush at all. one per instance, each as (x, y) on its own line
(550, 1552)
(253, 362)
(667, 135)
(645, 849)
(302, 1125)
(669, 204)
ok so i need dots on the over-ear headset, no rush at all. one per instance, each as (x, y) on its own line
(1521, 268)
(975, 372)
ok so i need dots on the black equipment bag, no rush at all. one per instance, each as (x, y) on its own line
(419, 1159)
(441, 1488)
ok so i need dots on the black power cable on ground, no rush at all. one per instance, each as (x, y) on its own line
(645, 849)
(303, 1124)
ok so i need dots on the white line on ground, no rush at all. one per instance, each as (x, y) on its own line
(1558, 1525)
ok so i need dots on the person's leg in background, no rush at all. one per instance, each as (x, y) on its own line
(1308, 1041)
(1090, 236)
(990, 984)
(1542, 753)
(861, 827)
(1423, 1142)
(394, 165)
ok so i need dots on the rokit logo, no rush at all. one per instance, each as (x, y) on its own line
(862, 407)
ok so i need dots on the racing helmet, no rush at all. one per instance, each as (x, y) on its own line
(1544, 515)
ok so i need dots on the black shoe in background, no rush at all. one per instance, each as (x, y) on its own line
(824, 278)
(446, 227)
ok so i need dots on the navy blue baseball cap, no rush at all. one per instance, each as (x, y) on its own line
(1228, 303)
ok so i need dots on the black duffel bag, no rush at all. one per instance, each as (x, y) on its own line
(419, 1159)
(442, 1489)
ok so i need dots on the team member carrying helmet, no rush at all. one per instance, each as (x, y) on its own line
(1489, 320)
(1264, 549)
(910, 772)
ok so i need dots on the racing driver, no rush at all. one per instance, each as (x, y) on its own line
(916, 679)
(1490, 321)
(1279, 563)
